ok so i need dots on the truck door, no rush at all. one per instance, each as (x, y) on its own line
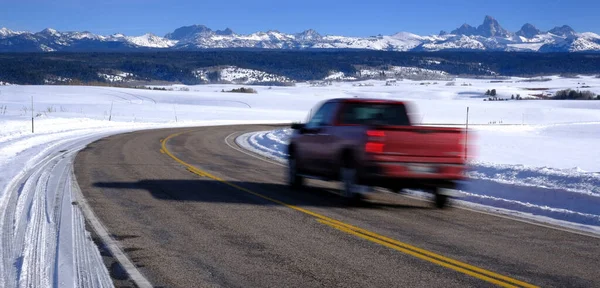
(322, 138)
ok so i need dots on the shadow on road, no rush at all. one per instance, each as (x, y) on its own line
(210, 191)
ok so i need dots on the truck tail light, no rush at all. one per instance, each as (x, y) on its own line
(375, 141)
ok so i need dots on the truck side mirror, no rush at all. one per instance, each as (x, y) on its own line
(297, 126)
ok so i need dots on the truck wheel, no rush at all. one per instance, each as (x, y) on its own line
(395, 190)
(441, 200)
(295, 181)
(350, 188)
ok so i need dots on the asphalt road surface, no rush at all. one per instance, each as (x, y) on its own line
(191, 211)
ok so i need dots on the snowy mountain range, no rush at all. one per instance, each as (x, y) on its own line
(489, 36)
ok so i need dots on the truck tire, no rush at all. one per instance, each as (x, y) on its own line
(295, 181)
(441, 200)
(349, 181)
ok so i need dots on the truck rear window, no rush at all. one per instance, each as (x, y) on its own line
(374, 114)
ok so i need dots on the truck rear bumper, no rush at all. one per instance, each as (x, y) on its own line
(401, 175)
(405, 183)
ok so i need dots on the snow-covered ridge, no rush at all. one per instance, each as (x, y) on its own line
(489, 36)
(49, 40)
(5, 32)
(151, 40)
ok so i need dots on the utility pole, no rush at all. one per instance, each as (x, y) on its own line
(32, 131)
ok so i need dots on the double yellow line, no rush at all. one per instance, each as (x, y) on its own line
(405, 248)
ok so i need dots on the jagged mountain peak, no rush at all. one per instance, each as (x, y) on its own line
(491, 28)
(6, 32)
(489, 18)
(465, 29)
(188, 33)
(49, 32)
(226, 32)
(564, 30)
(528, 31)
(309, 35)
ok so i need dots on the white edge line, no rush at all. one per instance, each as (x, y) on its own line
(135, 274)
(514, 218)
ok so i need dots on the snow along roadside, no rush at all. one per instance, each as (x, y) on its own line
(44, 242)
(567, 199)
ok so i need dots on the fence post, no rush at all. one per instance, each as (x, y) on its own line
(110, 115)
(175, 111)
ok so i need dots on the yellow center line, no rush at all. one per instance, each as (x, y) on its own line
(420, 253)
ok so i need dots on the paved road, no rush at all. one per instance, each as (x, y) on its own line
(191, 211)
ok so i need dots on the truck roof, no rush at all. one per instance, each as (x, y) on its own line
(366, 100)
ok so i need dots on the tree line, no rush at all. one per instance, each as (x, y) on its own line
(570, 94)
(178, 66)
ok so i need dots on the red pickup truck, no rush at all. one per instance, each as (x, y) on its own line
(372, 143)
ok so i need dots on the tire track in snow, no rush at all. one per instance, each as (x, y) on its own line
(42, 234)
(34, 271)
(139, 97)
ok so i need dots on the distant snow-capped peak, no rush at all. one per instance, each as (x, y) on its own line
(152, 41)
(309, 35)
(528, 31)
(407, 36)
(564, 30)
(5, 32)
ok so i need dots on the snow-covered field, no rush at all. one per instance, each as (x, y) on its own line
(545, 167)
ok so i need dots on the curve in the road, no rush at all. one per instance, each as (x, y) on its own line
(191, 211)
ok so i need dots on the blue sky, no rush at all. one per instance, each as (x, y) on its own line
(351, 18)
